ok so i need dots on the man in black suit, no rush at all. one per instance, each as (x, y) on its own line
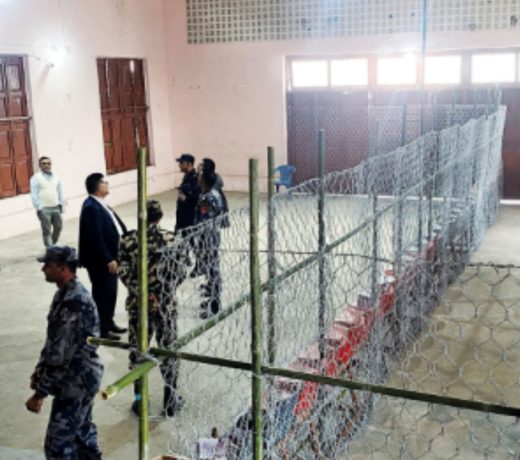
(100, 230)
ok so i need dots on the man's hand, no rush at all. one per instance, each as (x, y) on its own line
(112, 267)
(34, 404)
(182, 196)
(34, 379)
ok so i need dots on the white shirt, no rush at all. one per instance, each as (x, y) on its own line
(101, 201)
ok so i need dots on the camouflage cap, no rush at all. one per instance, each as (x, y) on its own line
(153, 210)
(59, 254)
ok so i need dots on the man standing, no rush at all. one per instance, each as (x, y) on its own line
(69, 368)
(100, 230)
(166, 270)
(47, 199)
(188, 194)
(209, 208)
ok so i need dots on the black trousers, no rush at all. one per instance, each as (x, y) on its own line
(104, 292)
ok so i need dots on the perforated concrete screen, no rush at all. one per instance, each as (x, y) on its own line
(217, 21)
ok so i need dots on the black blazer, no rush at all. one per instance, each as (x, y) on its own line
(98, 236)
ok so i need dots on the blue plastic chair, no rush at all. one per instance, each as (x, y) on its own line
(285, 173)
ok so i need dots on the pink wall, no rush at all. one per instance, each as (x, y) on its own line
(228, 99)
(65, 97)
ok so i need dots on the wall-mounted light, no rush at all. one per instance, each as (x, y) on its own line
(56, 55)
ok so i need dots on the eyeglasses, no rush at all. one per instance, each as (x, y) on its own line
(45, 163)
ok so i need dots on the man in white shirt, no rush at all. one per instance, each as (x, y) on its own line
(47, 199)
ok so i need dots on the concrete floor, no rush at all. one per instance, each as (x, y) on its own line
(25, 299)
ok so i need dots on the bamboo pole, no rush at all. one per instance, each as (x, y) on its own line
(143, 302)
(322, 282)
(245, 299)
(127, 379)
(256, 312)
(271, 260)
(335, 381)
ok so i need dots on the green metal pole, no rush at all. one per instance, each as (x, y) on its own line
(256, 312)
(338, 381)
(404, 118)
(143, 301)
(424, 34)
(375, 233)
(322, 282)
(271, 260)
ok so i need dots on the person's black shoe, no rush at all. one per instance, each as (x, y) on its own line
(110, 336)
(197, 271)
(173, 407)
(135, 408)
(205, 314)
(118, 330)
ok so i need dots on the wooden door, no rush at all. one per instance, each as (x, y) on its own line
(511, 143)
(123, 111)
(15, 141)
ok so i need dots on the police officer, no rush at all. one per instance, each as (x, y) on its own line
(166, 270)
(209, 208)
(69, 368)
(188, 194)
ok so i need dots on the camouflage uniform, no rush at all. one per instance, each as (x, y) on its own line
(71, 371)
(209, 207)
(164, 275)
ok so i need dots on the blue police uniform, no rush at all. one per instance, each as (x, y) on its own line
(70, 370)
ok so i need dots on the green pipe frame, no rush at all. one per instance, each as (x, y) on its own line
(321, 379)
(143, 302)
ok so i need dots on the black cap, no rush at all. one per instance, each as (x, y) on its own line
(59, 254)
(187, 157)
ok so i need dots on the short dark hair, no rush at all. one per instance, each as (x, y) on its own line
(72, 266)
(209, 178)
(208, 164)
(92, 182)
(43, 158)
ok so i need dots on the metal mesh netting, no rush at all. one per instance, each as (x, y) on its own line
(367, 289)
(354, 130)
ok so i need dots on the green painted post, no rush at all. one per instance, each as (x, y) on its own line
(143, 301)
(322, 286)
(271, 260)
(256, 312)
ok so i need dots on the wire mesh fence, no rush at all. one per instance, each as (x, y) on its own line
(355, 131)
(366, 280)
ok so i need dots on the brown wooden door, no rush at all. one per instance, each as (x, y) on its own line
(511, 144)
(123, 111)
(344, 117)
(15, 141)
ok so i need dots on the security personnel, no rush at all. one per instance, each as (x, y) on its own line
(166, 270)
(69, 368)
(188, 194)
(209, 208)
